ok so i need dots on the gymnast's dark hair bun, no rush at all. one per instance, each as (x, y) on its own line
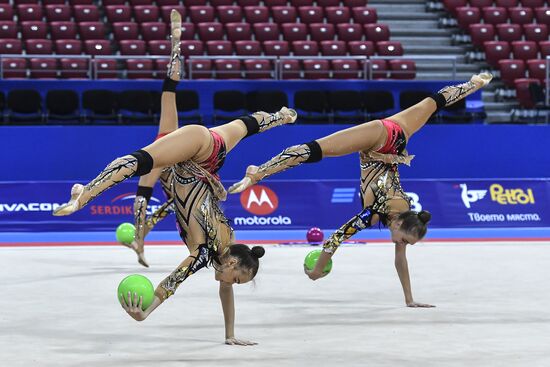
(257, 251)
(424, 216)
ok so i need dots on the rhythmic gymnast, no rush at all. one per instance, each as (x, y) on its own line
(194, 154)
(381, 146)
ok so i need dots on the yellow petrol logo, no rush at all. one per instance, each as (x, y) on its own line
(511, 196)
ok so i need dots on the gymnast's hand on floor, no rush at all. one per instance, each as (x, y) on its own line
(235, 341)
(248, 180)
(418, 305)
(313, 275)
(134, 308)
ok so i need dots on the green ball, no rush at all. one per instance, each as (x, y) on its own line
(139, 284)
(311, 260)
(125, 233)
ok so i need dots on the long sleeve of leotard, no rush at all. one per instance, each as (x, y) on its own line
(288, 158)
(197, 260)
(356, 224)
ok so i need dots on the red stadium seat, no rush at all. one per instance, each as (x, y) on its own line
(125, 30)
(201, 14)
(97, 47)
(132, 47)
(402, 69)
(249, 2)
(378, 69)
(543, 15)
(14, 68)
(544, 48)
(537, 69)
(507, 3)
(146, 13)
(187, 31)
(338, 15)
(298, 3)
(325, 3)
(238, 31)
(452, 5)
(34, 30)
(345, 69)
(316, 69)
(112, 2)
(481, 33)
(159, 47)
(140, 68)
(258, 69)
(105, 68)
(311, 14)
(43, 68)
(91, 30)
(266, 31)
(495, 15)
(86, 13)
(361, 48)
(68, 47)
(248, 48)
(58, 13)
(219, 48)
(168, 3)
(520, 15)
(524, 50)
(50, 2)
(161, 65)
(389, 48)
(305, 48)
(467, 15)
(135, 3)
(481, 3)
(165, 11)
(276, 48)
(199, 69)
(272, 3)
(535, 32)
(118, 13)
(63, 30)
(10, 46)
(532, 3)
(377, 32)
(17, 2)
(256, 14)
(294, 31)
(81, 2)
(230, 14)
(364, 15)
(333, 48)
(284, 14)
(29, 12)
(495, 51)
(195, 2)
(8, 29)
(523, 93)
(154, 31)
(511, 70)
(321, 31)
(355, 3)
(349, 32)
(191, 48)
(74, 68)
(210, 31)
(290, 69)
(218, 3)
(6, 12)
(227, 69)
(509, 32)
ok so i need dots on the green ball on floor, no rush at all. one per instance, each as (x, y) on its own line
(311, 260)
(139, 284)
(125, 233)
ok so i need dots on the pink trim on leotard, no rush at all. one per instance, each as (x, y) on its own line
(161, 135)
(393, 130)
(213, 163)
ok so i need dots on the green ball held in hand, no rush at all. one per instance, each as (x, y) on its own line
(125, 233)
(311, 260)
(137, 284)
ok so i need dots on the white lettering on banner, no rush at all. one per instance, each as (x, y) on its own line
(250, 221)
(415, 201)
(523, 217)
(28, 207)
(471, 196)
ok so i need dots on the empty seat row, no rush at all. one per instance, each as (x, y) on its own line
(511, 69)
(481, 33)
(453, 5)
(348, 3)
(523, 50)
(497, 15)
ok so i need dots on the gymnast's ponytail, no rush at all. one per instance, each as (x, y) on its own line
(248, 258)
(415, 222)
